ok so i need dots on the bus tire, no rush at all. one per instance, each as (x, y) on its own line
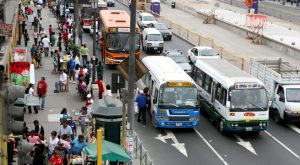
(220, 126)
(276, 116)
(153, 121)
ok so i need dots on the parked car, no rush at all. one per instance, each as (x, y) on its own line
(110, 3)
(178, 57)
(201, 52)
(163, 29)
(145, 19)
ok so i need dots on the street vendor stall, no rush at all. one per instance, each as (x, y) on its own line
(111, 152)
(64, 62)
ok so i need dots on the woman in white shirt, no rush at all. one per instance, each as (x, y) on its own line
(53, 142)
(29, 91)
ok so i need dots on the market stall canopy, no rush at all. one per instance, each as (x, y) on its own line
(110, 152)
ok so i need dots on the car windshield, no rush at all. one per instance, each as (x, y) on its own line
(178, 59)
(207, 52)
(178, 97)
(248, 99)
(154, 37)
(293, 94)
(119, 42)
(160, 27)
(148, 18)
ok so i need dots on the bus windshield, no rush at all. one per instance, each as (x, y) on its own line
(120, 42)
(293, 94)
(248, 100)
(178, 97)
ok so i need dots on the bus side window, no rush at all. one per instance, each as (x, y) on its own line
(218, 92)
(202, 79)
(223, 97)
(207, 85)
(155, 96)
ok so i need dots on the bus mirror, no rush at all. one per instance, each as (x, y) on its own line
(227, 103)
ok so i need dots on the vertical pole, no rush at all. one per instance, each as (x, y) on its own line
(131, 72)
(124, 100)
(94, 44)
(75, 28)
(99, 146)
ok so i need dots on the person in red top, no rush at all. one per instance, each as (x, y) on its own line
(99, 82)
(66, 36)
(42, 91)
(50, 31)
(56, 158)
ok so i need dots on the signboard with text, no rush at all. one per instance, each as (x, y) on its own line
(6, 29)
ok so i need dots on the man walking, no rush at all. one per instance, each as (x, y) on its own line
(84, 52)
(42, 91)
(142, 103)
(46, 43)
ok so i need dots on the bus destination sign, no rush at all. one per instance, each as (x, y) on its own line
(181, 84)
(247, 85)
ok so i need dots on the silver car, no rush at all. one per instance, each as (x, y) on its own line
(163, 29)
(179, 58)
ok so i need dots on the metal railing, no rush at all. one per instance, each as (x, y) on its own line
(140, 152)
(197, 39)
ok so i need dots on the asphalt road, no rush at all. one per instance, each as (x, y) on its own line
(205, 145)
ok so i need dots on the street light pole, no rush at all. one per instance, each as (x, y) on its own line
(95, 6)
(131, 70)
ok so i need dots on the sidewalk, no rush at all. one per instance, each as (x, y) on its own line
(229, 40)
(55, 102)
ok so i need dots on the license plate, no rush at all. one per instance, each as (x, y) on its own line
(178, 124)
(155, 48)
(248, 128)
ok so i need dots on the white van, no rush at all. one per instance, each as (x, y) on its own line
(152, 40)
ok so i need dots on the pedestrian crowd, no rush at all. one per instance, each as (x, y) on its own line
(65, 141)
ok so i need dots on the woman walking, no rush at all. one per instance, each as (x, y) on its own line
(26, 37)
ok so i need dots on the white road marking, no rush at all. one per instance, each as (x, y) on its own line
(284, 146)
(244, 144)
(293, 127)
(211, 147)
(170, 135)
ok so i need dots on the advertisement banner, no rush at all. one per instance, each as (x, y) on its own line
(6, 29)
(19, 54)
(20, 73)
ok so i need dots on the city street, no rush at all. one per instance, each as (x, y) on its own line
(205, 145)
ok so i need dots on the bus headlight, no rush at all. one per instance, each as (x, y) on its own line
(109, 56)
(161, 118)
(194, 118)
(162, 111)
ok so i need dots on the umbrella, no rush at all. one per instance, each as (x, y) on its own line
(110, 152)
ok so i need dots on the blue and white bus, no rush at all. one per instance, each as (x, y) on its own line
(173, 94)
(232, 98)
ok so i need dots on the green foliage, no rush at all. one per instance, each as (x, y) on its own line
(74, 47)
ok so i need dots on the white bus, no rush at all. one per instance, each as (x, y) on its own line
(232, 98)
(173, 94)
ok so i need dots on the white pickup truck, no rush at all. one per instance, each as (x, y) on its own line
(282, 81)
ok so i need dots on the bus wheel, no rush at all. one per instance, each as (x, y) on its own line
(221, 126)
(153, 121)
(276, 116)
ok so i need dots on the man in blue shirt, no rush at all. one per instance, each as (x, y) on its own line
(78, 144)
(72, 65)
(142, 103)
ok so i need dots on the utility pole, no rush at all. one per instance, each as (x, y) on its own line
(95, 6)
(75, 29)
(131, 70)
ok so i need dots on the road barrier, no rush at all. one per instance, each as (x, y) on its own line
(200, 40)
(140, 151)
